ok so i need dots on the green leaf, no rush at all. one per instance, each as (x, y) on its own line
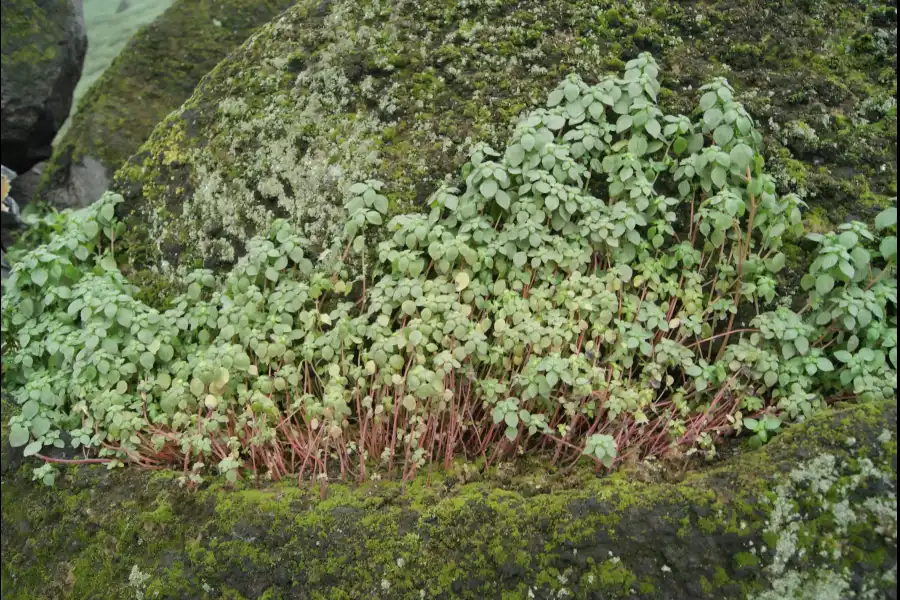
(719, 177)
(712, 118)
(848, 239)
(843, 356)
(624, 123)
(165, 352)
(462, 281)
(741, 157)
(824, 283)
(18, 436)
(555, 97)
(824, 365)
(489, 188)
(502, 199)
(90, 229)
(108, 263)
(197, 387)
(124, 316)
(107, 212)
(381, 204)
(515, 155)
(33, 448)
(888, 247)
(708, 100)
(519, 259)
(528, 142)
(776, 263)
(722, 135)
(30, 409)
(652, 128)
(147, 360)
(886, 218)
(39, 277)
(40, 426)
(554, 122)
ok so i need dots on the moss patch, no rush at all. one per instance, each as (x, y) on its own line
(335, 92)
(102, 534)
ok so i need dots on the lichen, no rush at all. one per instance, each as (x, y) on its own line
(332, 93)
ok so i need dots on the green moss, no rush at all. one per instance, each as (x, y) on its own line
(480, 540)
(316, 101)
(746, 559)
(28, 30)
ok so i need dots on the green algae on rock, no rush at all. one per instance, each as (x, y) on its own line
(337, 92)
(808, 516)
(156, 71)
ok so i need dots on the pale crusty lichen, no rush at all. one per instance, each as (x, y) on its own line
(821, 489)
(337, 91)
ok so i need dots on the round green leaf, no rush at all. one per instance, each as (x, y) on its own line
(18, 436)
(488, 188)
(886, 218)
(722, 135)
(824, 283)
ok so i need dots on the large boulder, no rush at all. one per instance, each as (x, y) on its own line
(43, 48)
(337, 91)
(811, 515)
(153, 75)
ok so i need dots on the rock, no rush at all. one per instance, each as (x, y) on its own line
(43, 48)
(153, 75)
(810, 515)
(334, 92)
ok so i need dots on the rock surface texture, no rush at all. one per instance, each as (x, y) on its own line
(811, 515)
(43, 48)
(156, 71)
(338, 91)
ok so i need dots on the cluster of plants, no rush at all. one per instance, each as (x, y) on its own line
(608, 286)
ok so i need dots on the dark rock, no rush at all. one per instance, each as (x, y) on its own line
(156, 71)
(44, 43)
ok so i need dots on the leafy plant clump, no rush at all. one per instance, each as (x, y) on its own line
(607, 286)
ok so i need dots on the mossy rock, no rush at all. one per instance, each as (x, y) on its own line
(337, 91)
(812, 513)
(42, 53)
(155, 72)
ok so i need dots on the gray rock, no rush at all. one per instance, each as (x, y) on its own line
(44, 44)
(86, 181)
